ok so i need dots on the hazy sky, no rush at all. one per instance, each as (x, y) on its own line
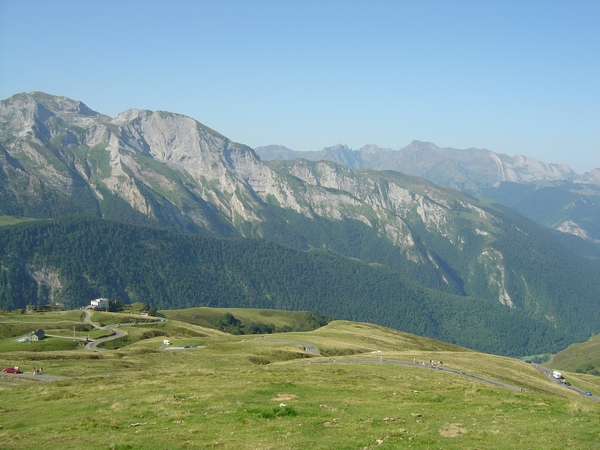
(515, 77)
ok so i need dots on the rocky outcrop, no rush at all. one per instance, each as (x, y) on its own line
(477, 172)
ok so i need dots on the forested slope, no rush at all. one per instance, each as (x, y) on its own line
(73, 260)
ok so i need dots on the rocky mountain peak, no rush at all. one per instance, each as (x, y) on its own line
(130, 115)
(533, 169)
(42, 114)
(338, 148)
(421, 145)
(62, 105)
(592, 177)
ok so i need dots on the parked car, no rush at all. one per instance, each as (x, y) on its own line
(528, 361)
(14, 369)
(566, 383)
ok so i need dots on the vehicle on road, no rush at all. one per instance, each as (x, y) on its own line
(556, 374)
(566, 383)
(588, 393)
(528, 361)
(14, 369)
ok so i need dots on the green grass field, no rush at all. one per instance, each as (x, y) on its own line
(205, 316)
(584, 356)
(10, 220)
(246, 392)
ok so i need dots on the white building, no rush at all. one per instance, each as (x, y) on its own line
(99, 303)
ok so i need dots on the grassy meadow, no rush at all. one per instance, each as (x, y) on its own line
(206, 316)
(11, 220)
(248, 392)
(584, 356)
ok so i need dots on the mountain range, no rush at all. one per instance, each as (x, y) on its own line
(551, 194)
(160, 170)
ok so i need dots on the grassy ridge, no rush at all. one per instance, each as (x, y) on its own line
(10, 220)
(583, 357)
(251, 393)
(277, 319)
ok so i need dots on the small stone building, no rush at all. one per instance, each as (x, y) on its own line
(38, 335)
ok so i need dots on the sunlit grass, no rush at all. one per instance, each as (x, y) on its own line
(257, 394)
(10, 220)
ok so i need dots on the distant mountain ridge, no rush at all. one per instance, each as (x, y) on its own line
(514, 181)
(165, 170)
(467, 169)
(471, 167)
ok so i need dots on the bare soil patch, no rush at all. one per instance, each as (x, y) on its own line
(281, 397)
(452, 430)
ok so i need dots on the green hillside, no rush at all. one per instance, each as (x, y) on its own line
(234, 393)
(582, 357)
(249, 321)
(78, 259)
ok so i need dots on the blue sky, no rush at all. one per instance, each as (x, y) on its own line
(515, 77)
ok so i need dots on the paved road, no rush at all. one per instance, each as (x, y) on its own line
(117, 334)
(315, 351)
(542, 369)
(114, 327)
(90, 345)
(548, 373)
(307, 347)
(32, 376)
(421, 366)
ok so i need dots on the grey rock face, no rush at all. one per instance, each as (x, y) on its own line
(477, 172)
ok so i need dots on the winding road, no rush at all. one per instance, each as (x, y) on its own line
(309, 348)
(420, 366)
(548, 373)
(313, 350)
(93, 345)
(90, 345)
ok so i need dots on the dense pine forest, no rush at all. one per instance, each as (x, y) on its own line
(73, 260)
